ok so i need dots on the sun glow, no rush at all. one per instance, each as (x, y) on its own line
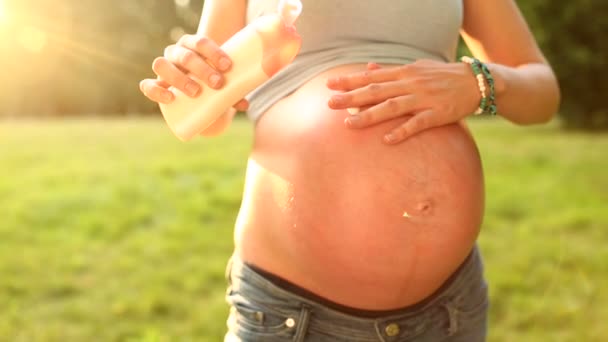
(3, 18)
(33, 39)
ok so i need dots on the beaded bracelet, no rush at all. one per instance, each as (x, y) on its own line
(482, 74)
(492, 109)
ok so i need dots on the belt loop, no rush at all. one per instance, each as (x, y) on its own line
(453, 319)
(302, 324)
(378, 332)
(228, 276)
(228, 271)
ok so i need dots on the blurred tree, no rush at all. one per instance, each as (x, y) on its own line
(572, 35)
(75, 57)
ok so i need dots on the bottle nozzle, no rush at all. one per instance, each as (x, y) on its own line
(290, 11)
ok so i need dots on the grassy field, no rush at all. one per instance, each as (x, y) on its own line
(115, 231)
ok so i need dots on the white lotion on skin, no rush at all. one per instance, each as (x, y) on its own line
(258, 51)
(353, 110)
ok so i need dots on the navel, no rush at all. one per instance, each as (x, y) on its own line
(424, 208)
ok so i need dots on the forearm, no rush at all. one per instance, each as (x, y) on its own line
(528, 94)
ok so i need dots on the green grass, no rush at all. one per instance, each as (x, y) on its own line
(115, 231)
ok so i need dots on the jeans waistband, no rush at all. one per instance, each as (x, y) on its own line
(248, 282)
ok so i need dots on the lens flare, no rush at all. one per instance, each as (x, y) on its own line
(33, 39)
(3, 18)
(182, 3)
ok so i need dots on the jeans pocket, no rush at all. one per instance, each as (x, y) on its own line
(475, 304)
(250, 320)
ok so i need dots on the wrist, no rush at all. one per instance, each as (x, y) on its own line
(486, 84)
(471, 90)
(500, 84)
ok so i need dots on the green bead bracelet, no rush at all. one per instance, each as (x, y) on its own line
(483, 75)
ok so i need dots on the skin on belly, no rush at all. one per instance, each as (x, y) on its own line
(361, 223)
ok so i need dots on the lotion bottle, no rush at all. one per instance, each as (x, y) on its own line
(258, 51)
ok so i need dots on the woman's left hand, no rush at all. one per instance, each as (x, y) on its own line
(433, 93)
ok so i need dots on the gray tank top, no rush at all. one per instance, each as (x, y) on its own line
(337, 32)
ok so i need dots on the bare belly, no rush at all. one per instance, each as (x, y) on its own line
(349, 218)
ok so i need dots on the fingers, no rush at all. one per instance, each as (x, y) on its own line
(190, 61)
(364, 78)
(418, 123)
(156, 91)
(371, 94)
(208, 49)
(357, 110)
(373, 66)
(199, 56)
(389, 109)
(172, 75)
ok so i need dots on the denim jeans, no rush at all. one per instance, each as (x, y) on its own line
(263, 311)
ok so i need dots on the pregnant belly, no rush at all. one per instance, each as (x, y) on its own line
(343, 215)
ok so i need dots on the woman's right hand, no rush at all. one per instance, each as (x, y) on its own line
(191, 56)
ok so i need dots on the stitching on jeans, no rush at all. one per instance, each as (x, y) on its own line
(377, 327)
(453, 319)
(302, 324)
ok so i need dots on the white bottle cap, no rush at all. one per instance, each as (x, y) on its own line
(290, 11)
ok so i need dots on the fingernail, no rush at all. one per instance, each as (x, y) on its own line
(335, 80)
(224, 63)
(167, 97)
(338, 99)
(353, 120)
(390, 138)
(215, 80)
(192, 88)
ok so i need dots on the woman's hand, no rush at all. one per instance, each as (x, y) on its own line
(192, 56)
(432, 93)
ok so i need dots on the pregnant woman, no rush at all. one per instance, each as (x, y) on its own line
(363, 227)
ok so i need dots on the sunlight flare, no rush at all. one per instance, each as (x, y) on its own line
(33, 39)
(182, 3)
(3, 16)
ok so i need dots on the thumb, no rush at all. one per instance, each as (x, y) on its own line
(373, 66)
(242, 105)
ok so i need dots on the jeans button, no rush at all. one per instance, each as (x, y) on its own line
(392, 329)
(259, 316)
(290, 322)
